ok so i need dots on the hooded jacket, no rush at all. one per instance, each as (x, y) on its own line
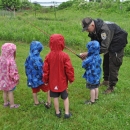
(110, 36)
(57, 67)
(33, 65)
(92, 64)
(9, 76)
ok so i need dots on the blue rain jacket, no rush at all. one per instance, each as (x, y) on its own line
(33, 65)
(92, 63)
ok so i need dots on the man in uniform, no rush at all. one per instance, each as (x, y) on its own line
(112, 41)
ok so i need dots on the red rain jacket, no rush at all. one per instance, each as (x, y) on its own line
(57, 67)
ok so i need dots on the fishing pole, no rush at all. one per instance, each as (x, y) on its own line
(72, 52)
(49, 36)
(38, 28)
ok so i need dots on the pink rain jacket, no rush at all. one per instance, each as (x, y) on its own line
(57, 67)
(9, 76)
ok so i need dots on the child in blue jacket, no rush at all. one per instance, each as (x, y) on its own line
(92, 65)
(34, 72)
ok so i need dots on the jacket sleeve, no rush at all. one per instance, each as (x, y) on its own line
(106, 37)
(86, 62)
(69, 69)
(46, 70)
(13, 72)
(26, 67)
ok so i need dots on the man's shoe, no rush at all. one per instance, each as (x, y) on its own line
(109, 90)
(104, 83)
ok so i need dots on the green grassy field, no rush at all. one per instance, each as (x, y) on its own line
(111, 112)
(25, 26)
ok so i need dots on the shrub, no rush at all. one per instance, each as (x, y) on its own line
(65, 5)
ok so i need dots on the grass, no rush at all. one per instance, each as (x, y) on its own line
(25, 26)
(111, 112)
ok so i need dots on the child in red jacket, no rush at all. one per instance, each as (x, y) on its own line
(58, 70)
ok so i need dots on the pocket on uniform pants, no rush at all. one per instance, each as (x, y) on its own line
(117, 58)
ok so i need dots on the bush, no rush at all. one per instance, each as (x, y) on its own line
(65, 5)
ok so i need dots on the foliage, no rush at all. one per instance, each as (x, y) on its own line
(36, 6)
(126, 4)
(105, 5)
(23, 26)
(11, 4)
(25, 5)
(17, 4)
(65, 5)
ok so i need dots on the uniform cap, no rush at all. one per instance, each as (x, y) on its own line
(86, 22)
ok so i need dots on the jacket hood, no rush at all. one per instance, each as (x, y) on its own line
(98, 24)
(57, 42)
(8, 50)
(93, 47)
(35, 48)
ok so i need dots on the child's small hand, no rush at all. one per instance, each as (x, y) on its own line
(83, 55)
(71, 82)
(67, 90)
(46, 84)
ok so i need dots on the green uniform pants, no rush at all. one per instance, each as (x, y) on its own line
(111, 65)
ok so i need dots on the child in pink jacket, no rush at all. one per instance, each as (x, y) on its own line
(9, 76)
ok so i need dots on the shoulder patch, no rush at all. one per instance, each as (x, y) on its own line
(103, 36)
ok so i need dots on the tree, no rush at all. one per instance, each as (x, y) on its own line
(11, 4)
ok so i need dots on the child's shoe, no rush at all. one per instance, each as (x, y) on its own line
(40, 102)
(89, 102)
(14, 106)
(6, 104)
(96, 100)
(66, 116)
(58, 115)
(47, 105)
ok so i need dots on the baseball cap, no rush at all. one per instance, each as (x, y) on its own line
(86, 22)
